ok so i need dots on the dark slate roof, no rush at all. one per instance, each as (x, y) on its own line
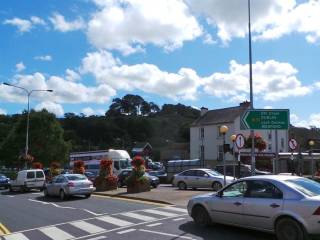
(142, 145)
(224, 115)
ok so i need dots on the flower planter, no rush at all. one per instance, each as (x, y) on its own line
(101, 184)
(139, 187)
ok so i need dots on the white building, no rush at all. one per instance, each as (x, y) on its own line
(206, 142)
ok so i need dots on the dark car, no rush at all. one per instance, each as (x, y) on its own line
(161, 174)
(91, 176)
(245, 170)
(4, 181)
(154, 181)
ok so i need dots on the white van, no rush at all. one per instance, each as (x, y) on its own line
(27, 180)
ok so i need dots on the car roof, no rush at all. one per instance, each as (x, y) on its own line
(271, 177)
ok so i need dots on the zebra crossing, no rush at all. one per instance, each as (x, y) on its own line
(96, 225)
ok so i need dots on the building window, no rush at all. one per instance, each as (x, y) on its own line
(220, 152)
(201, 152)
(269, 147)
(202, 133)
(270, 135)
(282, 143)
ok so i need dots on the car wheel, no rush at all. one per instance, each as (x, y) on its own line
(201, 216)
(87, 195)
(182, 186)
(62, 195)
(216, 186)
(289, 229)
(45, 192)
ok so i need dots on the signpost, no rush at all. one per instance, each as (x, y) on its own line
(240, 141)
(293, 144)
(265, 119)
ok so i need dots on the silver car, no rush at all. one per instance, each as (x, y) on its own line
(200, 178)
(288, 206)
(66, 185)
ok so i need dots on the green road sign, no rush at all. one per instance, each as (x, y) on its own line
(264, 119)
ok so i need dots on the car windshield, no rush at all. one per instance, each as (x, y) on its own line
(76, 177)
(304, 185)
(124, 164)
(89, 174)
(213, 173)
(2, 176)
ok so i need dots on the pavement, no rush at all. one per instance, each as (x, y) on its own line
(163, 194)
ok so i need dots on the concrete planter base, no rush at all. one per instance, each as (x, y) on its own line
(139, 187)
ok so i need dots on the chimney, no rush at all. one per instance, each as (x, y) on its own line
(245, 104)
(204, 110)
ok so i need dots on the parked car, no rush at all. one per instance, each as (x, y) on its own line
(177, 166)
(91, 176)
(4, 181)
(288, 206)
(65, 185)
(245, 170)
(27, 180)
(200, 178)
(153, 180)
(161, 174)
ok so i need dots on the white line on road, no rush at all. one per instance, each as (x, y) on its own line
(154, 224)
(178, 219)
(97, 238)
(87, 227)
(166, 234)
(162, 213)
(139, 216)
(177, 209)
(16, 236)
(127, 231)
(93, 213)
(115, 221)
(56, 233)
(42, 202)
(36, 193)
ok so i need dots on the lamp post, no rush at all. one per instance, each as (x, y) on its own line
(29, 92)
(311, 144)
(233, 139)
(223, 130)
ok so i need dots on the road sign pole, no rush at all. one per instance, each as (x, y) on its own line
(239, 164)
(292, 163)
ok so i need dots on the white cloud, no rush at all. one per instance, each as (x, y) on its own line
(25, 25)
(43, 58)
(64, 91)
(72, 75)
(271, 19)
(88, 111)
(52, 107)
(272, 81)
(3, 111)
(127, 25)
(312, 121)
(208, 39)
(20, 67)
(146, 77)
(60, 24)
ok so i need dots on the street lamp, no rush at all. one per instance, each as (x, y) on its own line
(233, 139)
(311, 144)
(223, 130)
(29, 92)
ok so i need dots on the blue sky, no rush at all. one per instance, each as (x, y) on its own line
(168, 51)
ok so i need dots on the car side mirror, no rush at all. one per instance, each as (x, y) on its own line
(219, 194)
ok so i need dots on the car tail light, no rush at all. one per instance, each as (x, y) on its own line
(70, 184)
(317, 211)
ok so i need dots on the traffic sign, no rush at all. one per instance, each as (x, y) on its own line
(265, 119)
(293, 144)
(240, 140)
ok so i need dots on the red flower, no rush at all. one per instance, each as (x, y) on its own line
(37, 165)
(137, 161)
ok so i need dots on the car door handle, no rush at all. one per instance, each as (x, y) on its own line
(274, 205)
(237, 203)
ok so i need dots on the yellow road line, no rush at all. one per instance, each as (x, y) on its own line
(132, 200)
(3, 230)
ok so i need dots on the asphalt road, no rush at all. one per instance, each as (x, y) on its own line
(30, 216)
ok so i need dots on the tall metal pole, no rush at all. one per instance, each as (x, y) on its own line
(253, 160)
(27, 134)
(224, 160)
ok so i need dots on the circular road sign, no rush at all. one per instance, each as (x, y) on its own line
(240, 140)
(293, 144)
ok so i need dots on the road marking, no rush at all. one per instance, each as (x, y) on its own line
(154, 224)
(177, 209)
(36, 193)
(10, 195)
(56, 233)
(132, 200)
(166, 234)
(178, 219)
(37, 201)
(16, 236)
(115, 221)
(93, 213)
(166, 214)
(87, 227)
(97, 238)
(127, 231)
(139, 216)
